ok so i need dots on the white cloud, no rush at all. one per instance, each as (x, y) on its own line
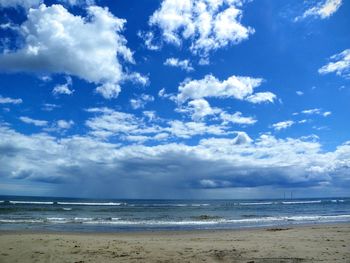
(49, 106)
(7, 100)
(241, 138)
(78, 2)
(199, 109)
(39, 123)
(204, 61)
(236, 118)
(299, 93)
(137, 78)
(162, 94)
(111, 123)
(141, 101)
(322, 10)
(60, 126)
(312, 111)
(189, 129)
(340, 66)
(183, 64)
(108, 90)
(316, 111)
(234, 87)
(56, 41)
(148, 37)
(282, 125)
(327, 113)
(262, 97)
(209, 25)
(212, 163)
(20, 3)
(151, 115)
(63, 89)
(65, 125)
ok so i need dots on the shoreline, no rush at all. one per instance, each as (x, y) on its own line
(306, 243)
(172, 231)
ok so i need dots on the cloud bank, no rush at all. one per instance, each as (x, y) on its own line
(212, 163)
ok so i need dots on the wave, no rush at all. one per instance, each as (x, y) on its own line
(301, 202)
(30, 203)
(21, 221)
(211, 221)
(62, 203)
(168, 205)
(258, 203)
(91, 203)
(337, 201)
(205, 217)
(262, 203)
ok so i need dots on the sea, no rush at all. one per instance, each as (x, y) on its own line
(110, 215)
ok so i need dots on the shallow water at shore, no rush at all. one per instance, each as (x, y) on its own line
(66, 214)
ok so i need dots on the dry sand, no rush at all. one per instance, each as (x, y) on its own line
(316, 243)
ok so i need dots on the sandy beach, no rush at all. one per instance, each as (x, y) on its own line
(316, 243)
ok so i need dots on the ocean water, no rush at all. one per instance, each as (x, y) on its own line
(88, 215)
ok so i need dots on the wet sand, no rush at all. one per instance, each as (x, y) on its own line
(315, 243)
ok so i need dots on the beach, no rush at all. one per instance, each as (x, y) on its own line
(310, 243)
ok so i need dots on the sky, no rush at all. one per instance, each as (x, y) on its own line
(175, 98)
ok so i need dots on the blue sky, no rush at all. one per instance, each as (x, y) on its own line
(174, 99)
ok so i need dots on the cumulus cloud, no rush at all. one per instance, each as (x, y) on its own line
(137, 78)
(198, 109)
(209, 25)
(163, 94)
(110, 123)
(7, 100)
(316, 111)
(49, 106)
(282, 125)
(299, 93)
(63, 124)
(322, 10)
(327, 113)
(262, 97)
(234, 87)
(78, 2)
(312, 111)
(183, 64)
(340, 64)
(148, 37)
(151, 115)
(159, 170)
(56, 41)
(141, 101)
(236, 118)
(39, 123)
(187, 130)
(60, 126)
(63, 89)
(20, 3)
